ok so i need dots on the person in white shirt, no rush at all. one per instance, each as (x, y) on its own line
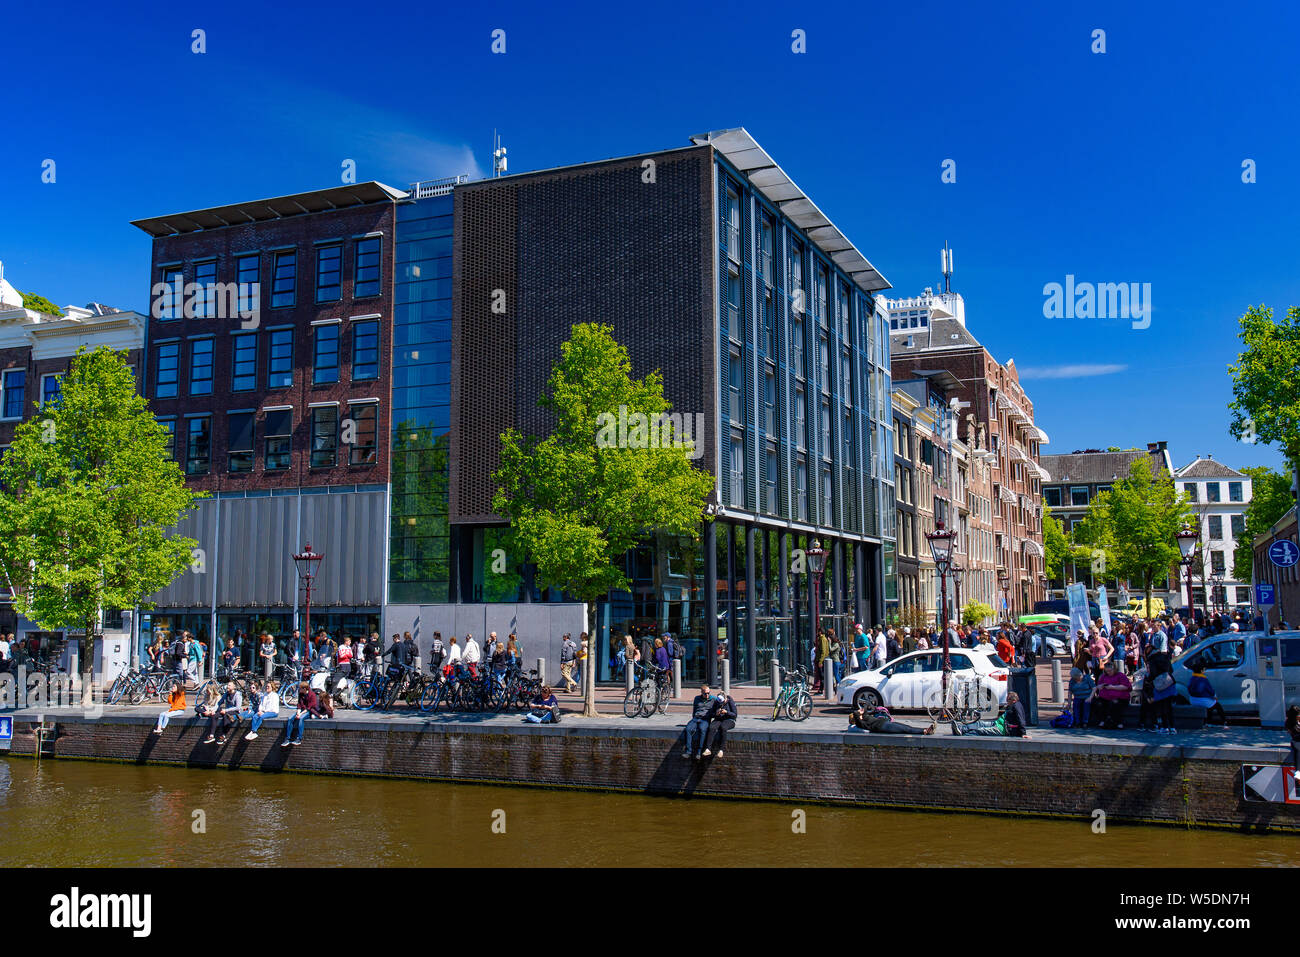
(268, 707)
(4, 654)
(879, 650)
(471, 655)
(454, 655)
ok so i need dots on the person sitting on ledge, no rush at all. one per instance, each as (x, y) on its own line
(1201, 693)
(1113, 690)
(307, 704)
(698, 726)
(227, 711)
(878, 721)
(722, 718)
(268, 706)
(175, 705)
(1011, 723)
(545, 709)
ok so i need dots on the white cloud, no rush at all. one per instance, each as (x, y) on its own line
(1070, 372)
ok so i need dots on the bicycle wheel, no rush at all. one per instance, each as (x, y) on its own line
(429, 697)
(165, 687)
(799, 706)
(116, 691)
(665, 692)
(632, 703)
(649, 698)
(364, 698)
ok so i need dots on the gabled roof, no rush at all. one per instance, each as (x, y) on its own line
(941, 334)
(262, 210)
(744, 153)
(1207, 468)
(1096, 468)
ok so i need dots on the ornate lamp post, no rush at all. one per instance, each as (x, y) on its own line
(1004, 580)
(957, 571)
(941, 549)
(1042, 583)
(1187, 546)
(816, 565)
(1216, 583)
(307, 564)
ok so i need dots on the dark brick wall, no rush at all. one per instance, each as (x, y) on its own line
(301, 232)
(1015, 777)
(592, 243)
(22, 359)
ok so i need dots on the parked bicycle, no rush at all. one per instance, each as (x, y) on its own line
(961, 698)
(794, 700)
(651, 692)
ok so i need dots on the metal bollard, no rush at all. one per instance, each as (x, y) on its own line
(828, 680)
(266, 667)
(541, 670)
(726, 676)
(1058, 693)
(776, 678)
(629, 670)
(677, 677)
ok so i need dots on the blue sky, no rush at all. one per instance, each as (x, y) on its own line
(1117, 167)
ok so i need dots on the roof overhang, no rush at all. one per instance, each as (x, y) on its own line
(1042, 436)
(744, 153)
(263, 210)
(941, 378)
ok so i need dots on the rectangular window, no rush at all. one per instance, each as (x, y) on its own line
(1190, 489)
(364, 446)
(246, 274)
(732, 225)
(1234, 492)
(769, 482)
(239, 443)
(1218, 561)
(365, 350)
(735, 377)
(173, 296)
(1078, 495)
(51, 390)
(801, 488)
(15, 391)
(1212, 491)
(284, 278)
(167, 378)
(243, 376)
(324, 436)
(170, 426)
(1238, 526)
(205, 275)
(737, 471)
(769, 403)
(366, 280)
(826, 497)
(279, 439)
(201, 366)
(796, 349)
(198, 445)
(1216, 526)
(280, 367)
(329, 272)
(800, 419)
(826, 429)
(733, 307)
(765, 251)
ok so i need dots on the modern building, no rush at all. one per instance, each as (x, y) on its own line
(398, 333)
(1073, 482)
(928, 333)
(903, 588)
(1219, 497)
(1285, 581)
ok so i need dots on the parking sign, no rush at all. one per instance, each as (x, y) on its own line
(1264, 595)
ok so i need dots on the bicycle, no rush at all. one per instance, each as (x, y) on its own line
(960, 699)
(794, 699)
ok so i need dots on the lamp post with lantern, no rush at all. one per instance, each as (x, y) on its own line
(816, 565)
(941, 549)
(1004, 580)
(957, 571)
(307, 565)
(1187, 538)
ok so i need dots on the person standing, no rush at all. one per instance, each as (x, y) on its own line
(580, 657)
(568, 648)
(437, 653)
(879, 650)
(470, 656)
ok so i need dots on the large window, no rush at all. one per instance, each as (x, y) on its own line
(366, 281)
(769, 403)
(246, 273)
(239, 444)
(280, 366)
(1238, 526)
(735, 377)
(325, 364)
(198, 446)
(284, 278)
(365, 350)
(324, 436)
(737, 471)
(796, 349)
(1052, 496)
(329, 272)
(364, 445)
(15, 391)
(201, 366)
(1234, 492)
(279, 439)
(769, 481)
(732, 225)
(243, 376)
(170, 426)
(167, 378)
(1190, 489)
(801, 489)
(800, 419)
(1078, 495)
(1212, 491)
(1216, 526)
(51, 390)
(172, 300)
(205, 274)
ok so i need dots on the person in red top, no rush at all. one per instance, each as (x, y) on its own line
(1006, 650)
(1113, 690)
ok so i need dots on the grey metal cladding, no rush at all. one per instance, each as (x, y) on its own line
(349, 529)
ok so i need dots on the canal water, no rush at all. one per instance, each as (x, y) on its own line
(75, 813)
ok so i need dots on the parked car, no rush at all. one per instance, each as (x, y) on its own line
(1228, 659)
(1051, 634)
(911, 681)
(1061, 606)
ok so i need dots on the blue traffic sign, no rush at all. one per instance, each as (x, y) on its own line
(6, 728)
(1283, 553)
(1264, 595)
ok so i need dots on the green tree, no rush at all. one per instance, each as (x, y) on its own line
(87, 494)
(1265, 402)
(576, 501)
(40, 304)
(973, 612)
(1270, 498)
(1056, 545)
(1135, 524)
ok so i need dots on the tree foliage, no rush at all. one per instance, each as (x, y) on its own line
(87, 494)
(577, 506)
(39, 303)
(973, 612)
(1056, 546)
(1270, 498)
(1266, 381)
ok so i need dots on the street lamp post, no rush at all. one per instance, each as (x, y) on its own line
(1216, 583)
(307, 564)
(1187, 545)
(941, 549)
(816, 565)
(957, 571)
(1004, 580)
(1042, 583)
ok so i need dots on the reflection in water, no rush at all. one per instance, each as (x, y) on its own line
(71, 813)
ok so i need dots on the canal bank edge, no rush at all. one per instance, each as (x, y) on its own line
(1131, 782)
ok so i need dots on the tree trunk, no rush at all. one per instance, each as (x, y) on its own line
(589, 663)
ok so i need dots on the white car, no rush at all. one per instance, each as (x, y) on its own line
(914, 681)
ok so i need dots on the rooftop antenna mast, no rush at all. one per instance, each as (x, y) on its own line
(946, 258)
(498, 155)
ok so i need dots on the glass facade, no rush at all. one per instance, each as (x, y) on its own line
(419, 569)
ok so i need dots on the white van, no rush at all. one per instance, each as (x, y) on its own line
(1228, 659)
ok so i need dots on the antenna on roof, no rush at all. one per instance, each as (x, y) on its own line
(946, 259)
(498, 155)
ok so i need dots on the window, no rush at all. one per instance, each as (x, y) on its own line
(732, 225)
(201, 366)
(1234, 492)
(324, 436)
(243, 376)
(280, 368)
(325, 365)
(279, 439)
(365, 350)
(769, 481)
(1238, 525)
(51, 390)
(800, 419)
(801, 489)
(246, 274)
(765, 250)
(1052, 496)
(329, 272)
(1190, 489)
(796, 349)
(205, 275)
(1216, 526)
(769, 403)
(171, 302)
(15, 389)
(198, 447)
(1078, 495)
(826, 496)
(284, 278)
(826, 429)
(170, 426)
(366, 281)
(734, 379)
(364, 448)
(167, 378)
(239, 444)
(1218, 561)
(1212, 491)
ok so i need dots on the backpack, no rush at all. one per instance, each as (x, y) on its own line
(1063, 720)
(675, 650)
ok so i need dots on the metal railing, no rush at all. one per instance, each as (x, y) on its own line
(436, 187)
